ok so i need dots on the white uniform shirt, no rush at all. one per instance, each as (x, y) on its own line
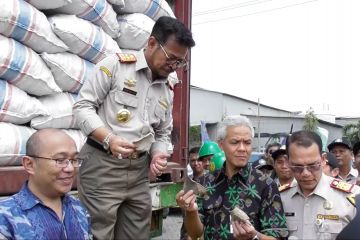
(321, 215)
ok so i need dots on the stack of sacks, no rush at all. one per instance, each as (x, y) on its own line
(45, 59)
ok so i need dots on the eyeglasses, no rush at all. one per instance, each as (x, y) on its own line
(311, 168)
(177, 62)
(64, 162)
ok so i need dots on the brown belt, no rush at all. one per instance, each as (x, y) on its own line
(94, 144)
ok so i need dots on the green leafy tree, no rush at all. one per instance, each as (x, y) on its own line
(194, 136)
(352, 132)
(311, 121)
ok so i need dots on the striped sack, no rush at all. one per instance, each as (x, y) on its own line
(151, 8)
(59, 107)
(16, 106)
(99, 12)
(69, 70)
(13, 140)
(83, 38)
(22, 67)
(26, 24)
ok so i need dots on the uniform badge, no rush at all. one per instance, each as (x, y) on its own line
(163, 102)
(351, 199)
(123, 115)
(130, 83)
(284, 187)
(106, 71)
(327, 205)
(342, 186)
(126, 57)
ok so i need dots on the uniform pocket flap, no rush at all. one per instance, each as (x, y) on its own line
(127, 99)
(292, 225)
(331, 227)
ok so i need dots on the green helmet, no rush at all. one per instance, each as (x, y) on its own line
(217, 161)
(208, 148)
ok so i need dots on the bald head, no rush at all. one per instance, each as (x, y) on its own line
(43, 138)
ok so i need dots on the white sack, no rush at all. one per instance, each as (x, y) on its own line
(13, 140)
(99, 12)
(135, 30)
(119, 3)
(23, 22)
(16, 106)
(78, 137)
(22, 67)
(83, 38)
(69, 70)
(59, 107)
(151, 8)
(48, 4)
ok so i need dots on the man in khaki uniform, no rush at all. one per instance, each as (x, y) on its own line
(320, 206)
(341, 148)
(126, 111)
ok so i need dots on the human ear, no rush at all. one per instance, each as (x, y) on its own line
(28, 164)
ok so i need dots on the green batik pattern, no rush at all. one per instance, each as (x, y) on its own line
(281, 218)
(251, 191)
(209, 233)
(268, 223)
(210, 189)
(224, 231)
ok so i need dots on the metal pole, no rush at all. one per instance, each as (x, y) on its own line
(258, 117)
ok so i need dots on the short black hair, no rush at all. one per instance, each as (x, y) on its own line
(194, 150)
(305, 139)
(167, 26)
(272, 145)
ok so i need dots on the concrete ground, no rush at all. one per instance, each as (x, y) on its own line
(171, 226)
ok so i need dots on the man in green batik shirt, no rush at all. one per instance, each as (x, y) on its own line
(236, 184)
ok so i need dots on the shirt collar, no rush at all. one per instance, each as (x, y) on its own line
(320, 189)
(243, 173)
(141, 64)
(27, 200)
(140, 60)
(353, 174)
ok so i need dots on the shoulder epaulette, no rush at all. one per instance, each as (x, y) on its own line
(126, 57)
(351, 199)
(341, 185)
(284, 187)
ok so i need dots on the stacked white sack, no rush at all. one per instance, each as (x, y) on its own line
(16, 106)
(50, 4)
(78, 137)
(135, 30)
(13, 140)
(99, 12)
(151, 8)
(119, 3)
(60, 111)
(83, 38)
(69, 70)
(24, 23)
(22, 67)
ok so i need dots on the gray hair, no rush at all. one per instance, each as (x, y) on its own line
(232, 121)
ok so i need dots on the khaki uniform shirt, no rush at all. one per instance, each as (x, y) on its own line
(351, 177)
(117, 86)
(321, 215)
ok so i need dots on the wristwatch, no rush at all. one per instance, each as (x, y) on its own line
(106, 141)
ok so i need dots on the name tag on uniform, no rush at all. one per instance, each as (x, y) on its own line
(127, 90)
(289, 214)
(328, 217)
